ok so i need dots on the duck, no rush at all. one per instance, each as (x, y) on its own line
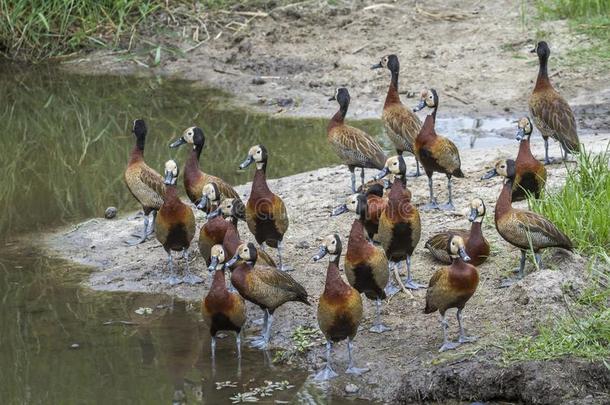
(521, 228)
(354, 147)
(144, 183)
(436, 153)
(263, 285)
(451, 287)
(401, 124)
(216, 226)
(339, 309)
(374, 204)
(222, 310)
(399, 223)
(266, 213)
(175, 225)
(477, 246)
(366, 265)
(194, 178)
(530, 174)
(551, 112)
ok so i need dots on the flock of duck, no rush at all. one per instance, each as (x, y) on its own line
(385, 232)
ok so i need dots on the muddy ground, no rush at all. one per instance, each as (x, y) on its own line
(475, 53)
(405, 363)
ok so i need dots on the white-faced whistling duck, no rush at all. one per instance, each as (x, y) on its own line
(339, 309)
(552, 114)
(366, 265)
(452, 287)
(354, 147)
(436, 153)
(222, 310)
(144, 183)
(530, 174)
(266, 213)
(175, 225)
(399, 224)
(230, 209)
(194, 178)
(374, 205)
(477, 246)
(521, 228)
(401, 124)
(264, 286)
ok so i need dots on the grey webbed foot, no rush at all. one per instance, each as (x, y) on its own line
(357, 370)
(379, 328)
(412, 285)
(467, 339)
(449, 346)
(325, 374)
(192, 279)
(430, 206)
(447, 207)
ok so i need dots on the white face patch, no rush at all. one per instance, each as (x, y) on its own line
(170, 166)
(352, 202)
(209, 191)
(188, 134)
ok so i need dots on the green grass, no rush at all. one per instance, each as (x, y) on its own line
(581, 207)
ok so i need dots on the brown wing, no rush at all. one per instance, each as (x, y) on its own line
(280, 214)
(436, 290)
(437, 244)
(272, 282)
(556, 113)
(542, 232)
(447, 155)
(356, 147)
(225, 188)
(403, 123)
(264, 256)
(152, 179)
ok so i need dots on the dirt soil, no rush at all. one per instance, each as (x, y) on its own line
(290, 60)
(405, 364)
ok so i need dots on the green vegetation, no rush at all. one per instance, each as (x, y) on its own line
(303, 338)
(580, 209)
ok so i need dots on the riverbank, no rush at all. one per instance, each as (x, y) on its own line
(405, 365)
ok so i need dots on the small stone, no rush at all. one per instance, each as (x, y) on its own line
(302, 245)
(74, 346)
(258, 80)
(351, 388)
(110, 212)
(284, 102)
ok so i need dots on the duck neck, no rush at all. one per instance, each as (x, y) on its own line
(219, 283)
(171, 193)
(333, 277)
(356, 235)
(504, 203)
(259, 183)
(475, 230)
(392, 97)
(543, 75)
(192, 163)
(524, 148)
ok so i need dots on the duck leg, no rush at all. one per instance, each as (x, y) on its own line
(378, 327)
(263, 342)
(447, 344)
(143, 236)
(449, 206)
(409, 283)
(152, 224)
(353, 176)
(238, 344)
(283, 266)
(189, 278)
(520, 272)
(327, 372)
(213, 347)
(417, 171)
(432, 205)
(255, 342)
(463, 338)
(351, 368)
(391, 288)
(547, 160)
(172, 279)
(362, 176)
(538, 259)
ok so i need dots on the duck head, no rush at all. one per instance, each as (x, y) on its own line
(504, 168)
(193, 136)
(341, 96)
(456, 248)
(427, 98)
(139, 130)
(477, 210)
(257, 154)
(209, 195)
(229, 208)
(524, 129)
(217, 258)
(330, 245)
(394, 165)
(246, 252)
(389, 62)
(542, 50)
(354, 203)
(171, 172)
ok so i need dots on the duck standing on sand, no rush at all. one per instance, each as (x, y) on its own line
(145, 184)
(552, 114)
(452, 287)
(175, 225)
(339, 309)
(530, 174)
(354, 147)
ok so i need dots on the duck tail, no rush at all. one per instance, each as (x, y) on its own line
(458, 173)
(429, 308)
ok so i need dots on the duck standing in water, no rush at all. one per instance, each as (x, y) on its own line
(552, 114)
(339, 309)
(530, 174)
(401, 124)
(145, 184)
(264, 286)
(477, 247)
(194, 178)
(436, 153)
(452, 287)
(521, 228)
(266, 213)
(399, 224)
(222, 310)
(175, 225)
(354, 147)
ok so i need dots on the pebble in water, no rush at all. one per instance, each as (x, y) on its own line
(110, 212)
